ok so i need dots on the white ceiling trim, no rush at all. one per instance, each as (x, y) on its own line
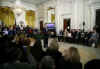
(24, 5)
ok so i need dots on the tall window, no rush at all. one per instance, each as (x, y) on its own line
(7, 16)
(30, 18)
(51, 15)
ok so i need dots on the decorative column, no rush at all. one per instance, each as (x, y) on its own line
(77, 14)
(19, 16)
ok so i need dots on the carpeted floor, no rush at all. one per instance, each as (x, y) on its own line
(86, 53)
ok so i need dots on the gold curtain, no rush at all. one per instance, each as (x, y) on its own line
(52, 18)
(7, 16)
(52, 14)
(1, 14)
(30, 18)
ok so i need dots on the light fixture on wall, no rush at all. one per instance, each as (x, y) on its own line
(51, 15)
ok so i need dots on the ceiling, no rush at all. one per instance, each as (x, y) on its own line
(37, 2)
(34, 2)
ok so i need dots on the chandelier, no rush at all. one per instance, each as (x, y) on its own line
(18, 7)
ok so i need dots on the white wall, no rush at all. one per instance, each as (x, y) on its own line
(90, 13)
(19, 18)
(60, 12)
(65, 9)
(77, 14)
(78, 10)
(42, 11)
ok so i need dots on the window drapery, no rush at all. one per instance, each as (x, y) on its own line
(30, 18)
(7, 16)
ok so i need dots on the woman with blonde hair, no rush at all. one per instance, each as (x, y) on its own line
(53, 45)
(70, 60)
(74, 54)
(53, 51)
(75, 58)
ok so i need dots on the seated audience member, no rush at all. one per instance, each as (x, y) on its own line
(65, 34)
(20, 41)
(60, 37)
(69, 36)
(52, 34)
(19, 66)
(25, 49)
(93, 64)
(64, 62)
(94, 38)
(82, 37)
(47, 62)
(70, 60)
(86, 38)
(74, 54)
(14, 56)
(73, 34)
(46, 36)
(9, 53)
(11, 31)
(37, 51)
(53, 51)
(3, 46)
(78, 36)
(75, 58)
(5, 31)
